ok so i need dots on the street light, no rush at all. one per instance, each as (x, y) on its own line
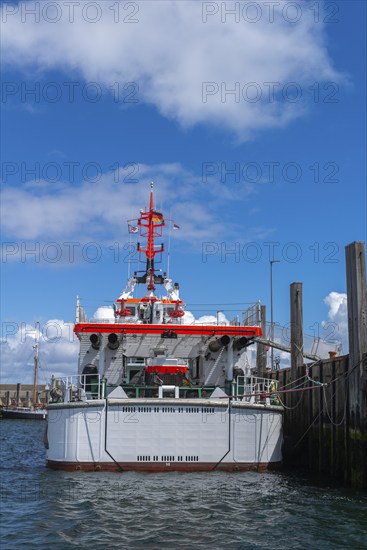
(271, 311)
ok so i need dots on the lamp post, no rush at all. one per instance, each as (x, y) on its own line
(271, 310)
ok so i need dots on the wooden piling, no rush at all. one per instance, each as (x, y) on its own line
(326, 428)
(357, 372)
(296, 328)
(296, 421)
(17, 398)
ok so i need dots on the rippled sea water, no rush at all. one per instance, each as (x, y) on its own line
(47, 509)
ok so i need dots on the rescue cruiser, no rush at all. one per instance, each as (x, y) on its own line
(157, 391)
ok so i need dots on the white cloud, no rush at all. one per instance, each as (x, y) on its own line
(212, 319)
(189, 319)
(58, 352)
(337, 325)
(170, 52)
(98, 211)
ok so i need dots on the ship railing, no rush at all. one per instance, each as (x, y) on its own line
(82, 387)
(251, 317)
(78, 387)
(253, 389)
(185, 392)
(210, 323)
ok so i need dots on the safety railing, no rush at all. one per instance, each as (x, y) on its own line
(184, 392)
(253, 389)
(82, 387)
(78, 387)
(252, 315)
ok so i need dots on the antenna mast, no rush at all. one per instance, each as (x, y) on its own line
(150, 223)
(36, 364)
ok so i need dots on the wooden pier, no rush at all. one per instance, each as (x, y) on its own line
(320, 430)
(325, 421)
(21, 394)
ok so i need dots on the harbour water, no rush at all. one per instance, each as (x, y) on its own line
(45, 509)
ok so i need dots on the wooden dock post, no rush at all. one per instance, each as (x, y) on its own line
(295, 418)
(261, 348)
(296, 329)
(17, 398)
(357, 372)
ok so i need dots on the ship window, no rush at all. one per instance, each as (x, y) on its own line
(89, 378)
(132, 373)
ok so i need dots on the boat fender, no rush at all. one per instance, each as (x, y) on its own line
(45, 437)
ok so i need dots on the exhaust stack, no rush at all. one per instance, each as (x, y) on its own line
(216, 345)
(95, 340)
(241, 343)
(113, 341)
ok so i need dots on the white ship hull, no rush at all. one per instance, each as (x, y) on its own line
(157, 390)
(164, 434)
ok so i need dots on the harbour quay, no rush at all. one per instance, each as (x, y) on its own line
(21, 394)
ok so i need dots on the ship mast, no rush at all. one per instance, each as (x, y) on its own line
(150, 227)
(150, 223)
(35, 347)
(36, 363)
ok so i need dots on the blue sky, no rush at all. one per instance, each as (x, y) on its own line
(273, 170)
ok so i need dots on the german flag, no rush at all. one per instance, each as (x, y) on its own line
(157, 217)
